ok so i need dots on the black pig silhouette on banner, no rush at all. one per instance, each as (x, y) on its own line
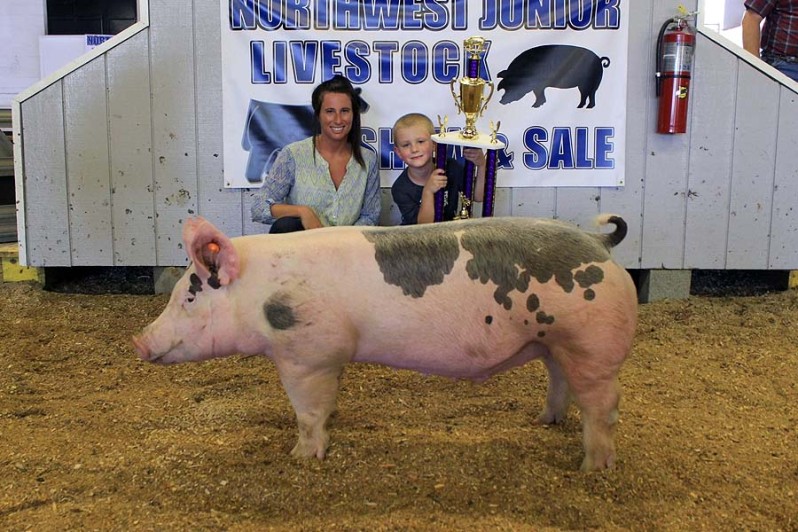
(560, 66)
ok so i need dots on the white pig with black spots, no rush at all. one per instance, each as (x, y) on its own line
(463, 299)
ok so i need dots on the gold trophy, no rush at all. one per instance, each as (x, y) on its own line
(470, 102)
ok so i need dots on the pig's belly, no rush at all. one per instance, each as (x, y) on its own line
(456, 361)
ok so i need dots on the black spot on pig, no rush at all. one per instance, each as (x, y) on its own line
(510, 253)
(532, 303)
(544, 318)
(560, 66)
(592, 275)
(488, 319)
(278, 313)
(590, 295)
(196, 285)
(415, 258)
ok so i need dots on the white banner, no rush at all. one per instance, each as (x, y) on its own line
(558, 68)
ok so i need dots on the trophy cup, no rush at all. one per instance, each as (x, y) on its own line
(472, 103)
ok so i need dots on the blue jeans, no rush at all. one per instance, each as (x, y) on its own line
(785, 67)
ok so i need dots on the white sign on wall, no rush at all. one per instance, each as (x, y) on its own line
(558, 67)
(56, 51)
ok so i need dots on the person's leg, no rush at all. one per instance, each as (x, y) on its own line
(287, 224)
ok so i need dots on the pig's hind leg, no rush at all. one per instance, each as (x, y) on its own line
(558, 396)
(594, 387)
(313, 393)
(599, 408)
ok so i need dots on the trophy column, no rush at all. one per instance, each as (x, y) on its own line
(471, 102)
(440, 162)
(491, 145)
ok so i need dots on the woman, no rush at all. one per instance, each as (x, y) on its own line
(326, 179)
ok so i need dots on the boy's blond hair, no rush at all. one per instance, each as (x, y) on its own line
(412, 120)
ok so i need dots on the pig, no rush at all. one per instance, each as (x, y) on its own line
(560, 66)
(462, 299)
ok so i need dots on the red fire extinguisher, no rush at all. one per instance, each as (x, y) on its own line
(675, 45)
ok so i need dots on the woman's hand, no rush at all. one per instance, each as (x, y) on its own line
(309, 219)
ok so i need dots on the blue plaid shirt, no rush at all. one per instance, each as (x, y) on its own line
(299, 178)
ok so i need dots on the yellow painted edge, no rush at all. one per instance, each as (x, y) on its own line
(13, 272)
(9, 249)
(793, 283)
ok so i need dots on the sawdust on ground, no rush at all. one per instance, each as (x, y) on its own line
(92, 438)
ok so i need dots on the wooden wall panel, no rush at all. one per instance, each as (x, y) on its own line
(627, 201)
(87, 164)
(250, 227)
(222, 206)
(535, 202)
(719, 196)
(709, 167)
(130, 128)
(784, 222)
(45, 188)
(578, 205)
(174, 124)
(753, 166)
(666, 158)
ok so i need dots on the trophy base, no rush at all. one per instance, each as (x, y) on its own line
(481, 140)
(469, 133)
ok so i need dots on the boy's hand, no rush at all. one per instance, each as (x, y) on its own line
(474, 155)
(436, 181)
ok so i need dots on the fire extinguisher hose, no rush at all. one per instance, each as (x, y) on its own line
(662, 30)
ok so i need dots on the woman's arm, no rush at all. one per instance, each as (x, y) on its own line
(269, 201)
(370, 213)
(275, 188)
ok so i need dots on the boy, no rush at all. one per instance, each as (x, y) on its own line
(414, 190)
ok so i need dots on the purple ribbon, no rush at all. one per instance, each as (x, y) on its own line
(473, 67)
(468, 183)
(440, 162)
(491, 160)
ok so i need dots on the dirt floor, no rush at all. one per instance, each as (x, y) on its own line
(92, 438)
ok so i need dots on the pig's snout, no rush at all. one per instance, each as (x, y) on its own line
(142, 348)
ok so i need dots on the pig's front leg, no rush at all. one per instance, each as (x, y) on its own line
(312, 392)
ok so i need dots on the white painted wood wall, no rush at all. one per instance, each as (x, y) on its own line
(21, 25)
(116, 154)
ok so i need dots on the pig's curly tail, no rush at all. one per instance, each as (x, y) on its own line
(610, 240)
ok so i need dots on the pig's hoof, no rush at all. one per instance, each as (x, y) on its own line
(550, 418)
(598, 464)
(309, 449)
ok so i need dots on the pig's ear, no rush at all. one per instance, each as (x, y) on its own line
(211, 251)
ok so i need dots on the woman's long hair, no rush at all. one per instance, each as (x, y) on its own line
(340, 85)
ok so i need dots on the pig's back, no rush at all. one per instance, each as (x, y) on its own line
(455, 298)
